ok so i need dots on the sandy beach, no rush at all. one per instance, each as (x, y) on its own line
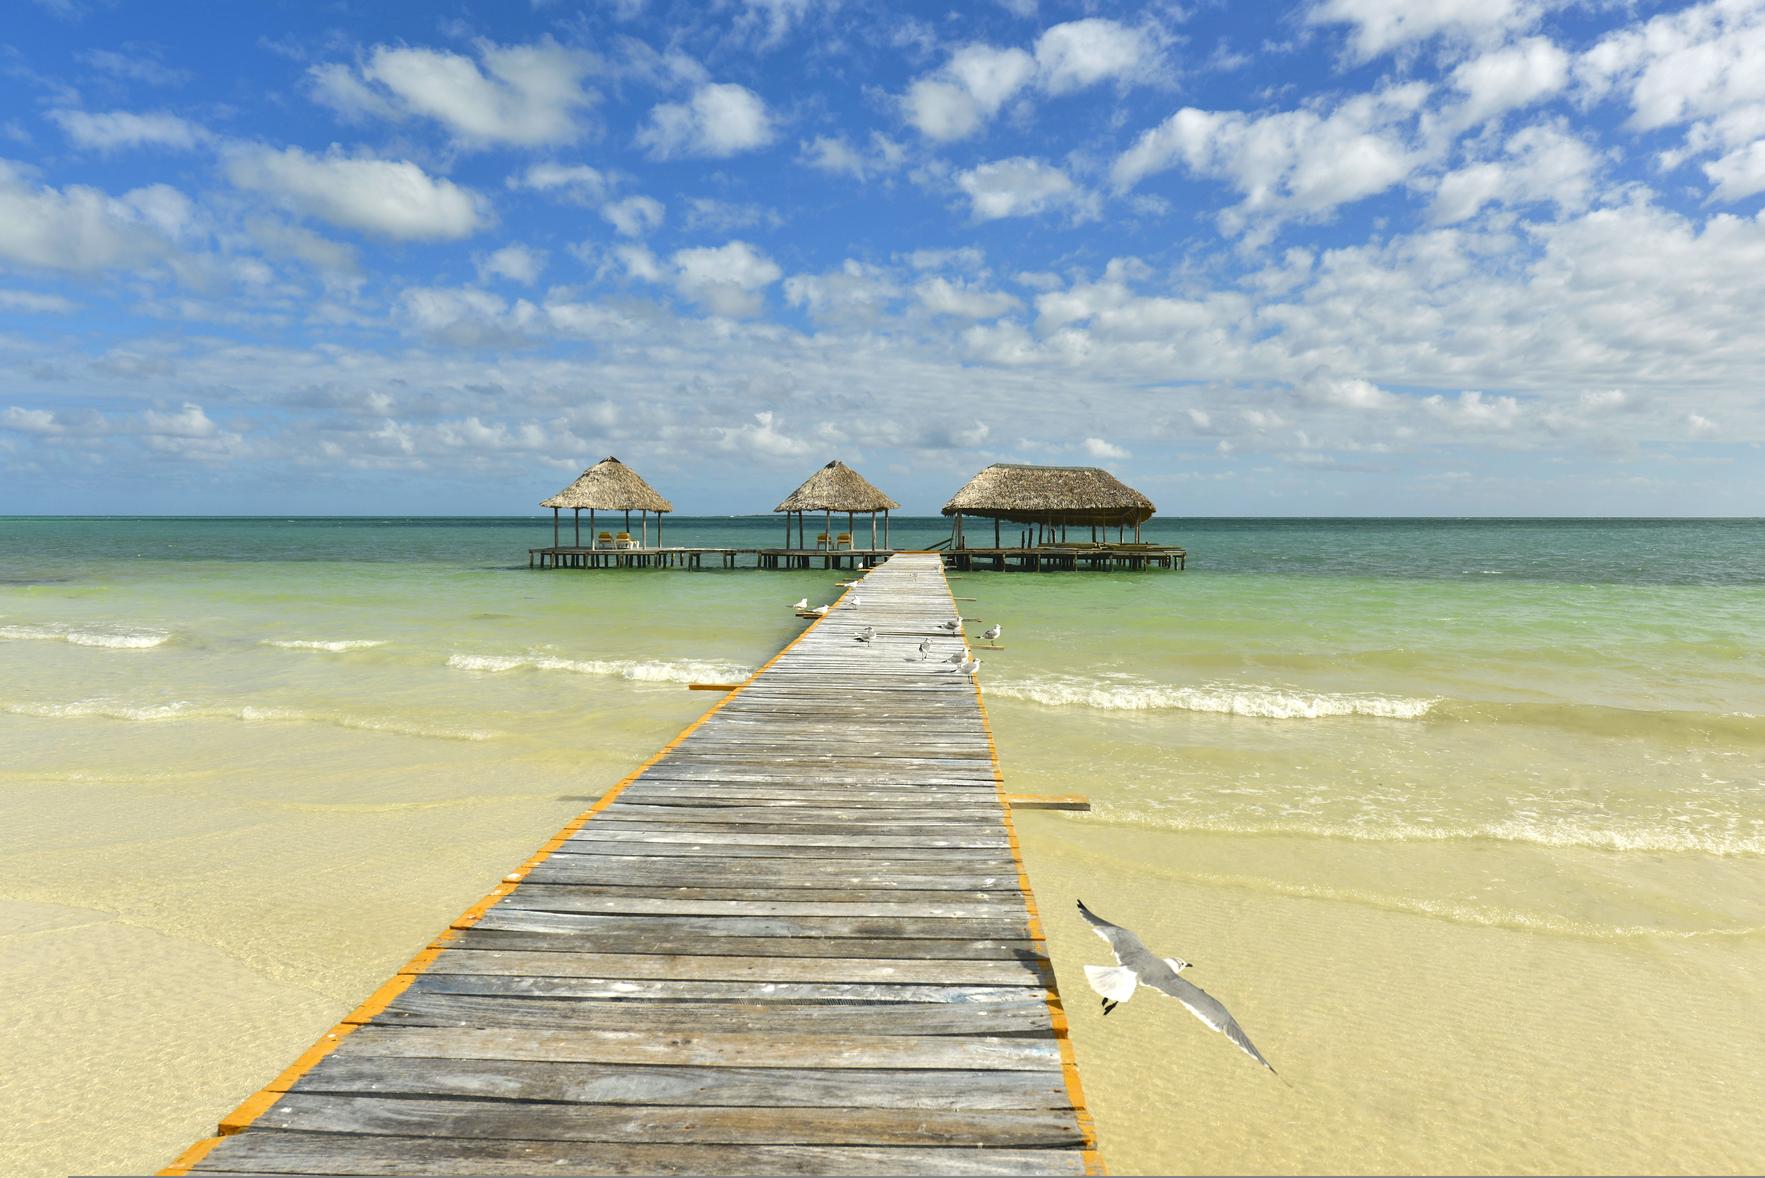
(218, 841)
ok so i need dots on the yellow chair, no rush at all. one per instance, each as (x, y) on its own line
(823, 540)
(604, 540)
(624, 540)
(843, 540)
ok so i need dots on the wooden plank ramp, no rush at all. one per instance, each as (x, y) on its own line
(798, 940)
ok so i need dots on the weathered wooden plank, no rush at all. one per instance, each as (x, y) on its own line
(268, 1151)
(464, 1118)
(977, 840)
(725, 991)
(763, 896)
(563, 869)
(586, 925)
(545, 898)
(580, 1083)
(427, 1009)
(708, 1049)
(729, 847)
(1003, 971)
(640, 944)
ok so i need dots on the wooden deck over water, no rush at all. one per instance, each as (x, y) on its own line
(798, 940)
(1032, 558)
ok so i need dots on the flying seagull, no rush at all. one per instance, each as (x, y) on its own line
(1136, 964)
(993, 632)
(865, 635)
(802, 603)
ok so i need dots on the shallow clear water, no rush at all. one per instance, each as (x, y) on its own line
(1449, 812)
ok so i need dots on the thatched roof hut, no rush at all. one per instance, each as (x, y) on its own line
(836, 487)
(609, 485)
(1052, 497)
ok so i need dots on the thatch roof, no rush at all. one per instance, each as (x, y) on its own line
(1051, 494)
(837, 487)
(609, 485)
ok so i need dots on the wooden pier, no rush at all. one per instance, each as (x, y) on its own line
(1040, 558)
(798, 940)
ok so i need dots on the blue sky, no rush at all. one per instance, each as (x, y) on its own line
(1335, 257)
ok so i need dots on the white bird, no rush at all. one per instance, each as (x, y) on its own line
(951, 627)
(1136, 965)
(802, 603)
(925, 647)
(993, 632)
(821, 610)
(853, 600)
(969, 667)
(958, 657)
(865, 635)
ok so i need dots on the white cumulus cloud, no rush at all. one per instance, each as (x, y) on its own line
(83, 229)
(117, 129)
(726, 280)
(390, 198)
(527, 95)
(1301, 161)
(1020, 187)
(1378, 26)
(721, 119)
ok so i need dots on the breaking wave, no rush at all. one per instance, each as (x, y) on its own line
(335, 647)
(112, 637)
(1270, 703)
(638, 670)
(185, 710)
(1733, 838)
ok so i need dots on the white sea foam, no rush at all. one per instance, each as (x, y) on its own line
(639, 670)
(363, 723)
(1269, 703)
(1732, 838)
(105, 709)
(337, 646)
(112, 637)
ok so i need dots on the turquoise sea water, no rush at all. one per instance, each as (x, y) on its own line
(1330, 754)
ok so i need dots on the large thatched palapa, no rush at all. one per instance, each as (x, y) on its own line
(837, 487)
(1048, 499)
(609, 485)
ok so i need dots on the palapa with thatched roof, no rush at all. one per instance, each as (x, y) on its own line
(837, 487)
(1048, 498)
(609, 485)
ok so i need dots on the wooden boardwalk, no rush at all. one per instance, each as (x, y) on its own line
(798, 940)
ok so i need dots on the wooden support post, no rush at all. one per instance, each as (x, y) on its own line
(576, 518)
(555, 536)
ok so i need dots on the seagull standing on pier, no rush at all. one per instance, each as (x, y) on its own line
(958, 657)
(1136, 965)
(968, 667)
(953, 627)
(802, 604)
(925, 648)
(820, 611)
(865, 635)
(993, 632)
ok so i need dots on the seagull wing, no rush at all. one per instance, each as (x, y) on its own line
(1205, 1007)
(1126, 946)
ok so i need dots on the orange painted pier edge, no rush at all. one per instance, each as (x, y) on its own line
(1069, 1064)
(255, 1105)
